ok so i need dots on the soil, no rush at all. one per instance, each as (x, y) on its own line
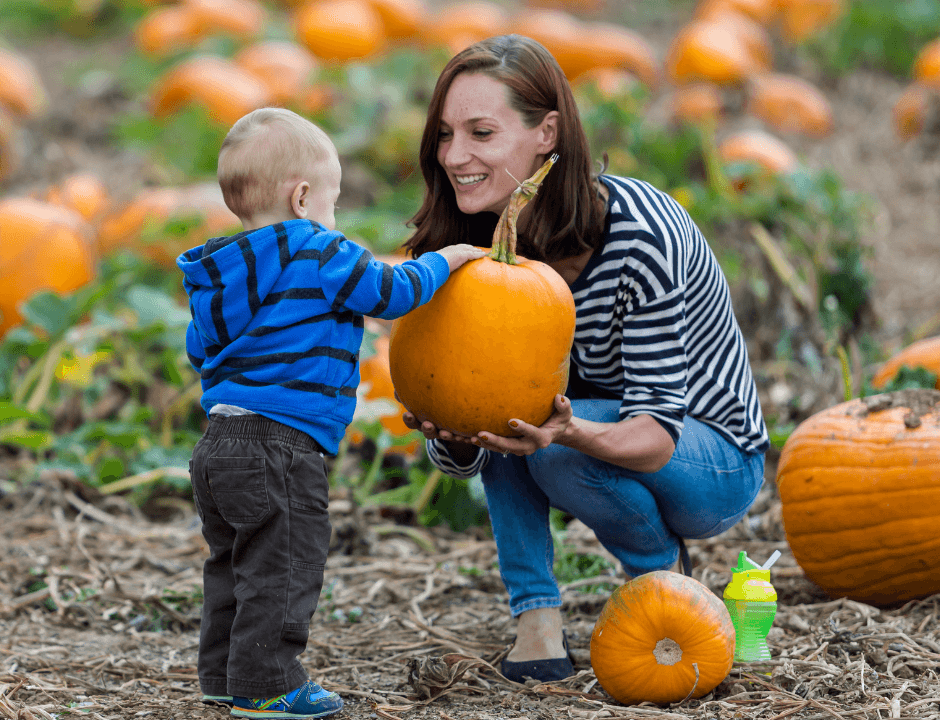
(413, 621)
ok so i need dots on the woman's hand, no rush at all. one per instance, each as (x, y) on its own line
(533, 438)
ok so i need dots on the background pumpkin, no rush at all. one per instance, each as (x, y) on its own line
(651, 634)
(492, 344)
(45, 247)
(923, 353)
(860, 490)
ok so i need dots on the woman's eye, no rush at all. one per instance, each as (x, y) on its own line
(482, 133)
(443, 135)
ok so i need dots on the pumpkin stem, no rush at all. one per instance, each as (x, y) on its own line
(505, 237)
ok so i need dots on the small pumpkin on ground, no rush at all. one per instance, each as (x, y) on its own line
(860, 490)
(923, 353)
(660, 638)
(493, 343)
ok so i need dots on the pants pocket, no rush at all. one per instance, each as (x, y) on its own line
(308, 501)
(239, 489)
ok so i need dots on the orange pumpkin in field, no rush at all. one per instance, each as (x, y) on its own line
(912, 110)
(285, 67)
(790, 103)
(768, 154)
(138, 225)
(22, 91)
(459, 25)
(223, 89)
(799, 20)
(45, 247)
(242, 19)
(697, 104)
(660, 638)
(83, 192)
(166, 30)
(11, 152)
(712, 51)
(492, 344)
(401, 18)
(340, 30)
(927, 64)
(860, 496)
(921, 354)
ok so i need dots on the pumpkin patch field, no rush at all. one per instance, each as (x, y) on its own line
(802, 136)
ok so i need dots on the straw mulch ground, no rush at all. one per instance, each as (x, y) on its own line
(412, 624)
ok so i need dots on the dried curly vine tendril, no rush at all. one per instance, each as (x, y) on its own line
(505, 237)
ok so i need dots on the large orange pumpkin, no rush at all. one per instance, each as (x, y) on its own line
(652, 634)
(923, 353)
(492, 344)
(860, 490)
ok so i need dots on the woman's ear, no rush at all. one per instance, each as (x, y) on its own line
(549, 132)
(298, 199)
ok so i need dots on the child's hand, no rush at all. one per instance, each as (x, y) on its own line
(457, 255)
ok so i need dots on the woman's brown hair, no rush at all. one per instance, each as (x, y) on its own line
(566, 217)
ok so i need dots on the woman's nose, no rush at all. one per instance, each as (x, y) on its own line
(455, 153)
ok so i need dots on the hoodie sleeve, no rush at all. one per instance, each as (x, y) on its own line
(352, 279)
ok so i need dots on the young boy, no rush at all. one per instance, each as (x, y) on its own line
(277, 326)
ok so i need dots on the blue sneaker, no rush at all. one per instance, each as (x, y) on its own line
(307, 701)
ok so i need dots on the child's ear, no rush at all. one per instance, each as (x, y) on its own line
(298, 199)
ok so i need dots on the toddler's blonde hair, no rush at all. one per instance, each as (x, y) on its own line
(263, 149)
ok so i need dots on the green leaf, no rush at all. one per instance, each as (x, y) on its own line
(154, 307)
(51, 312)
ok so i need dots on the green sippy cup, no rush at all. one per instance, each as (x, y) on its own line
(752, 603)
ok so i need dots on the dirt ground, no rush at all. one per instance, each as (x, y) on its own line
(413, 621)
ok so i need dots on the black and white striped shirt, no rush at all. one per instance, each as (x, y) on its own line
(655, 326)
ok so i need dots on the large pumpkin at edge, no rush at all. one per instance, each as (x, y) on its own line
(860, 489)
(660, 638)
(493, 343)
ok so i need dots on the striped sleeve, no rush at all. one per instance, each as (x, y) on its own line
(352, 279)
(442, 460)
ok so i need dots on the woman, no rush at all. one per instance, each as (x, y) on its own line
(660, 435)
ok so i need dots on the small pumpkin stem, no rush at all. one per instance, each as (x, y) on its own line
(694, 685)
(505, 236)
(667, 652)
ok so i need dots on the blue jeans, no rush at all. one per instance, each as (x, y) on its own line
(704, 489)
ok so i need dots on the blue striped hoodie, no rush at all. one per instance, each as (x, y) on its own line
(278, 320)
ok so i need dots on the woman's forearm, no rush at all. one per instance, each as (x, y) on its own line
(639, 443)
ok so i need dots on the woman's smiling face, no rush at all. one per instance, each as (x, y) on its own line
(484, 145)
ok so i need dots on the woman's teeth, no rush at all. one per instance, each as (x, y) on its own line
(469, 179)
